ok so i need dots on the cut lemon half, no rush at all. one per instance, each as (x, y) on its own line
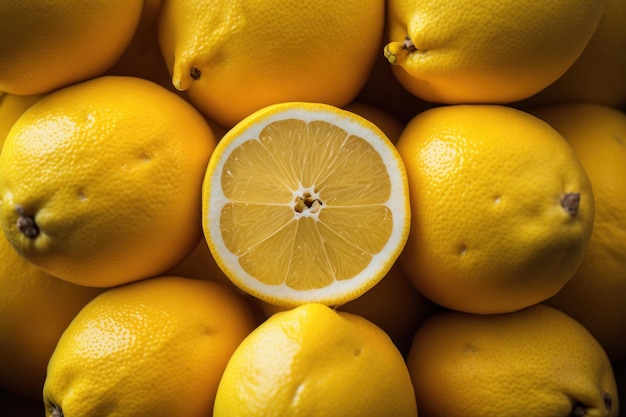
(305, 202)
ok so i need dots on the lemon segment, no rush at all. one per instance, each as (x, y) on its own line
(305, 202)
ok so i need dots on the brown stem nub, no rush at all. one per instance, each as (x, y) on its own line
(578, 410)
(56, 411)
(608, 401)
(26, 224)
(195, 73)
(570, 202)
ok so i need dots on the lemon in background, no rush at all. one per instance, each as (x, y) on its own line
(233, 58)
(596, 293)
(51, 44)
(476, 51)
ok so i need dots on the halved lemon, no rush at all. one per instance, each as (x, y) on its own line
(305, 202)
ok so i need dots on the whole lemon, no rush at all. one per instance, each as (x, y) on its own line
(35, 309)
(534, 362)
(152, 348)
(46, 45)
(101, 181)
(477, 51)
(501, 208)
(235, 57)
(314, 361)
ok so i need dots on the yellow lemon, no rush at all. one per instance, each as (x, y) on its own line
(142, 58)
(313, 361)
(391, 125)
(235, 57)
(502, 210)
(157, 347)
(393, 304)
(200, 264)
(100, 182)
(535, 362)
(475, 51)
(35, 309)
(595, 295)
(51, 44)
(598, 74)
(11, 108)
(305, 202)
(382, 89)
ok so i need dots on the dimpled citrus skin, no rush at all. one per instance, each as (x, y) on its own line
(471, 51)
(597, 76)
(11, 108)
(51, 44)
(313, 361)
(595, 295)
(252, 54)
(489, 232)
(110, 172)
(535, 362)
(35, 308)
(152, 348)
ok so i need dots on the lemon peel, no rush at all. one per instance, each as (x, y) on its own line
(395, 50)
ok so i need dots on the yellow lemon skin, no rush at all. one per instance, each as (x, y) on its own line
(233, 58)
(476, 51)
(35, 309)
(597, 76)
(501, 209)
(532, 362)
(152, 348)
(11, 108)
(51, 44)
(100, 182)
(313, 361)
(595, 295)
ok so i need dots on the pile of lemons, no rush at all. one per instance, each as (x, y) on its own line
(358, 208)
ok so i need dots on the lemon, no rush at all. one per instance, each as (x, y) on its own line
(391, 125)
(313, 361)
(101, 181)
(502, 210)
(476, 51)
(597, 76)
(11, 108)
(532, 362)
(235, 57)
(319, 191)
(35, 309)
(393, 304)
(46, 45)
(157, 347)
(595, 295)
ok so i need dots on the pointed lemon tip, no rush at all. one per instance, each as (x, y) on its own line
(393, 50)
(178, 84)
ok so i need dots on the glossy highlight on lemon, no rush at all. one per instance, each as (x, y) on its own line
(305, 202)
